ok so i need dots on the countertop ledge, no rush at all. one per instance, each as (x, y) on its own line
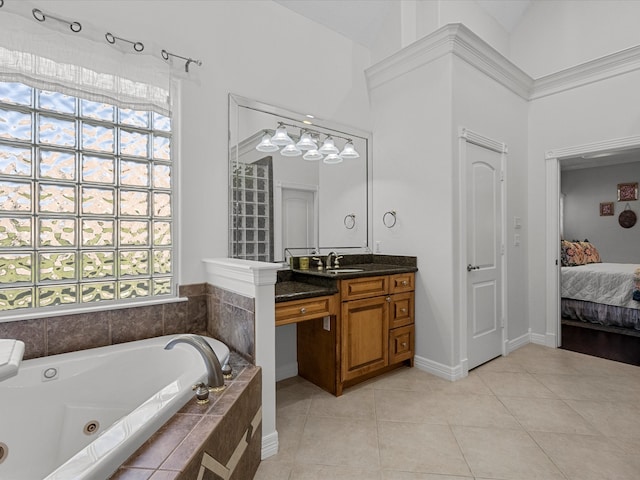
(292, 290)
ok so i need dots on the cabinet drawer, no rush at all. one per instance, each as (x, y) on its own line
(402, 282)
(401, 344)
(401, 310)
(300, 310)
(365, 287)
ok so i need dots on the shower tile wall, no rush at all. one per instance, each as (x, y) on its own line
(50, 336)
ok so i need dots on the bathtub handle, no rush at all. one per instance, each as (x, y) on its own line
(202, 393)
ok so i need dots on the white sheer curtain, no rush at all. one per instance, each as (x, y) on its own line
(48, 55)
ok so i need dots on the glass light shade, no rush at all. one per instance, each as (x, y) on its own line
(281, 137)
(265, 144)
(328, 147)
(306, 142)
(291, 151)
(312, 155)
(332, 159)
(349, 151)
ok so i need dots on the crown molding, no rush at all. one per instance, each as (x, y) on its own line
(456, 39)
(453, 39)
(616, 145)
(612, 65)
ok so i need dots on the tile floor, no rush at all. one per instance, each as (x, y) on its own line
(539, 413)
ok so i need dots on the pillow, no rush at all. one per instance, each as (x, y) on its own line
(591, 254)
(571, 254)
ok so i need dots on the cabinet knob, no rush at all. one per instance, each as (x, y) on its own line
(388, 299)
(403, 310)
(404, 344)
(404, 283)
(303, 310)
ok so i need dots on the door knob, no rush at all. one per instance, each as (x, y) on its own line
(472, 267)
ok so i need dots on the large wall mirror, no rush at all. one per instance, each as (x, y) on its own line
(289, 190)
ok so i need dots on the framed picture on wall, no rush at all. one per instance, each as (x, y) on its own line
(627, 191)
(606, 209)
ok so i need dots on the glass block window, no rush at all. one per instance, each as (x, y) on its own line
(252, 213)
(86, 204)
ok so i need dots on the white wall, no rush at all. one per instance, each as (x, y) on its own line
(584, 189)
(248, 48)
(488, 108)
(413, 175)
(596, 112)
(554, 35)
(410, 20)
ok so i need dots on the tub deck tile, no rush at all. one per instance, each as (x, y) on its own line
(156, 450)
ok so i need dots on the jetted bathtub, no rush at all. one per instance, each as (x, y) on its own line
(80, 415)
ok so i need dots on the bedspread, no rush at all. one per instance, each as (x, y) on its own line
(606, 283)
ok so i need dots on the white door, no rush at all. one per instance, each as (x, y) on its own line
(484, 254)
(298, 218)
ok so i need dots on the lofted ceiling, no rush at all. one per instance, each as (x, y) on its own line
(361, 20)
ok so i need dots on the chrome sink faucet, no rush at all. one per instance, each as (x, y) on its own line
(215, 377)
(336, 259)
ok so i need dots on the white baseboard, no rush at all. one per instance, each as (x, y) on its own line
(516, 343)
(438, 369)
(269, 445)
(286, 371)
(539, 339)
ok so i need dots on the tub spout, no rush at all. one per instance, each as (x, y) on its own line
(215, 378)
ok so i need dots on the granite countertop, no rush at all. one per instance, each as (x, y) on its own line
(368, 270)
(293, 290)
(298, 284)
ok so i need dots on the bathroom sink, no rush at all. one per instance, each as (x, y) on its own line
(338, 271)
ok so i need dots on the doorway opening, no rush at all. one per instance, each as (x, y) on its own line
(582, 204)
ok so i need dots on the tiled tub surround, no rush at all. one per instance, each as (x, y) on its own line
(207, 309)
(220, 440)
(93, 408)
(68, 333)
(231, 319)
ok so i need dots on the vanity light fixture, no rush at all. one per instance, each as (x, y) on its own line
(328, 147)
(349, 151)
(266, 145)
(281, 137)
(307, 145)
(332, 159)
(306, 142)
(291, 151)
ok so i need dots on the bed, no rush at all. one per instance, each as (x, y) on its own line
(600, 304)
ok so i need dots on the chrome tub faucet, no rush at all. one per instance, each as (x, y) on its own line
(215, 376)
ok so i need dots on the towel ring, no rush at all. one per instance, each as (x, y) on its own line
(389, 222)
(350, 221)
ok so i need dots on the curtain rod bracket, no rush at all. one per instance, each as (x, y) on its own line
(137, 46)
(41, 17)
(188, 61)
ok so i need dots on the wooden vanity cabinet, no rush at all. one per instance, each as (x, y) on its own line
(377, 324)
(366, 329)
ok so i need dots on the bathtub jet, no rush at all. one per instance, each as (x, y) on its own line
(92, 411)
(215, 376)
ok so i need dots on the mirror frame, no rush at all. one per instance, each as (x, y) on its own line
(236, 101)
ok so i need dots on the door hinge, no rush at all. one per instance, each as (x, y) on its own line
(502, 249)
(502, 322)
(502, 175)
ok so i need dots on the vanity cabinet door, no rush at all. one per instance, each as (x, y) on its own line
(365, 334)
